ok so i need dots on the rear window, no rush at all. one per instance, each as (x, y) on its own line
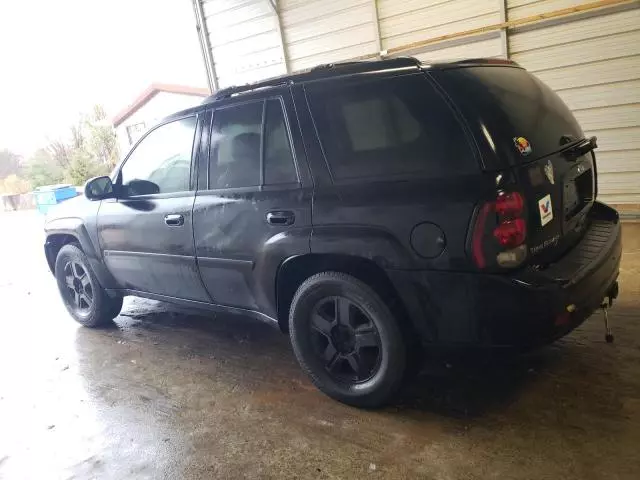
(509, 103)
(393, 126)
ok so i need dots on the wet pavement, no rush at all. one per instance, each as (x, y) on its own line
(167, 393)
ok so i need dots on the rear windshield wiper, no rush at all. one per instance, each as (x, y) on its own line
(581, 148)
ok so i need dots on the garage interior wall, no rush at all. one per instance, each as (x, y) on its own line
(587, 51)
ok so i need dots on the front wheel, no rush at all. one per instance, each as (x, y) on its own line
(347, 340)
(85, 299)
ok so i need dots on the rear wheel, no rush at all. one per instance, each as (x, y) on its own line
(347, 340)
(85, 299)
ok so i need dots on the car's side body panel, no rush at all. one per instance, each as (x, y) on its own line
(237, 250)
(140, 248)
(144, 253)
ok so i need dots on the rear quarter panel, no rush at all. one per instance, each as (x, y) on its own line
(375, 220)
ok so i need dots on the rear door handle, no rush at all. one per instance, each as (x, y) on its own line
(174, 220)
(281, 218)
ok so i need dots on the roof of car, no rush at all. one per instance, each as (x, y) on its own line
(333, 70)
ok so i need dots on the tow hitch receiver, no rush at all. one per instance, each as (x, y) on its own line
(612, 294)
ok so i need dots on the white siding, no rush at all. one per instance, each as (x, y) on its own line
(325, 31)
(244, 40)
(408, 21)
(525, 8)
(483, 48)
(594, 65)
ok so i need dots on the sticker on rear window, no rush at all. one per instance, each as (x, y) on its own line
(546, 210)
(523, 145)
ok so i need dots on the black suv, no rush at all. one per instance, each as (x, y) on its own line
(369, 209)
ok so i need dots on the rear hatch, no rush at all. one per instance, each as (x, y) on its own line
(533, 143)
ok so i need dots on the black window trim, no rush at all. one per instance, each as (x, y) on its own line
(262, 186)
(194, 155)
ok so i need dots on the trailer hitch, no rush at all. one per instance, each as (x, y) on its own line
(611, 295)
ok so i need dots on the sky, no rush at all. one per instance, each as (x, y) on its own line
(60, 57)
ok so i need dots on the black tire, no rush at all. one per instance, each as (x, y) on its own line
(82, 295)
(385, 377)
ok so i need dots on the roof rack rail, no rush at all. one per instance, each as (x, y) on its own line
(486, 61)
(322, 70)
(326, 66)
(229, 91)
(404, 60)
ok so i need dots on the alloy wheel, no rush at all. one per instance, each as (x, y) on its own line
(346, 340)
(79, 288)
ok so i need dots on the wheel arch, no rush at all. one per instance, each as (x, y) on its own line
(61, 232)
(295, 270)
(53, 244)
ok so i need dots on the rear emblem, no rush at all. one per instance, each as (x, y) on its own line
(548, 171)
(523, 145)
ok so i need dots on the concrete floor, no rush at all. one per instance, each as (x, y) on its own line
(164, 394)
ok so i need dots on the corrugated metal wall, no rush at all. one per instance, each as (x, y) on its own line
(405, 22)
(244, 40)
(325, 31)
(591, 59)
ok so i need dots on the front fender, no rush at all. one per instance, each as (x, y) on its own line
(75, 227)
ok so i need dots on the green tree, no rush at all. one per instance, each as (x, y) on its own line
(42, 169)
(9, 163)
(60, 153)
(100, 137)
(82, 167)
(91, 150)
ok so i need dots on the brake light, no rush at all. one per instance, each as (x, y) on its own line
(509, 204)
(500, 232)
(511, 233)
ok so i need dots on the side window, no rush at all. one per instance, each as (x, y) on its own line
(235, 146)
(161, 163)
(278, 160)
(387, 127)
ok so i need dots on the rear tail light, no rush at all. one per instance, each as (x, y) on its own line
(509, 204)
(500, 232)
(511, 233)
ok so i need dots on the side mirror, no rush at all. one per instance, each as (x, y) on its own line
(98, 188)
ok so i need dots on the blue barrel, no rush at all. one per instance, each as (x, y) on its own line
(50, 195)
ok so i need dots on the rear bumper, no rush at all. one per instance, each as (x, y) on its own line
(525, 309)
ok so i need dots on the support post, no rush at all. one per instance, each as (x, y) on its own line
(504, 32)
(283, 50)
(376, 27)
(205, 45)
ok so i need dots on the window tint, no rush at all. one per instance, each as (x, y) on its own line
(388, 127)
(278, 160)
(235, 146)
(161, 163)
(512, 103)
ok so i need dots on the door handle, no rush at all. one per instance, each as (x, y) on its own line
(174, 220)
(281, 218)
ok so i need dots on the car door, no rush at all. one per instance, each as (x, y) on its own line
(146, 233)
(253, 205)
